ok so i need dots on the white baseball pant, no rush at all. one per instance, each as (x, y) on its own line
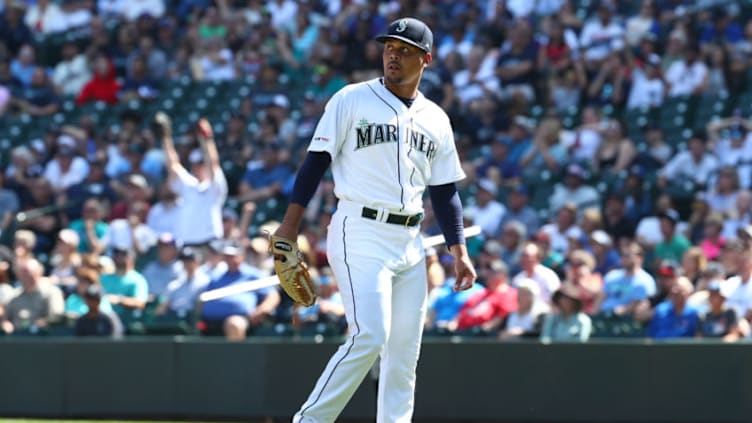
(380, 270)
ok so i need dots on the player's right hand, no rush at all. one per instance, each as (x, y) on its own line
(465, 271)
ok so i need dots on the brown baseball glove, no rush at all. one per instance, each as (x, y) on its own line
(292, 271)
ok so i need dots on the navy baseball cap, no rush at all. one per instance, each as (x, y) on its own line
(411, 31)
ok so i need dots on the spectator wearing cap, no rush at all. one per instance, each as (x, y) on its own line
(648, 88)
(131, 233)
(165, 268)
(526, 321)
(67, 168)
(582, 278)
(65, 260)
(38, 303)
(180, 298)
(605, 255)
(126, 288)
(532, 268)
(648, 232)
(91, 227)
(135, 190)
(264, 179)
(236, 315)
(625, 289)
(675, 317)
(667, 273)
(517, 209)
(486, 309)
(674, 244)
(280, 111)
(97, 322)
(202, 192)
(721, 321)
(567, 321)
(487, 211)
(75, 304)
(574, 190)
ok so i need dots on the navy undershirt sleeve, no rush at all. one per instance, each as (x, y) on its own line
(307, 180)
(448, 210)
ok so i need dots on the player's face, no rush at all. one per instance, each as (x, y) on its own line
(403, 63)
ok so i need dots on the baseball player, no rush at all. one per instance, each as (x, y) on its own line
(386, 143)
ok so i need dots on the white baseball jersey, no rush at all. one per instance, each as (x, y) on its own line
(384, 154)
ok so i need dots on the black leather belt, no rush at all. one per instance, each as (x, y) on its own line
(397, 219)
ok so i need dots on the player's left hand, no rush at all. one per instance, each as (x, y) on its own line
(465, 271)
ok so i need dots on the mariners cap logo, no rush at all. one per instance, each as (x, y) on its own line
(411, 31)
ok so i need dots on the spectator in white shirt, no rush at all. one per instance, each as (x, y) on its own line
(67, 168)
(283, 13)
(687, 76)
(131, 233)
(648, 89)
(721, 196)
(546, 278)
(640, 24)
(478, 80)
(45, 17)
(600, 36)
(731, 140)
(563, 228)
(740, 286)
(72, 73)
(133, 9)
(694, 165)
(574, 190)
(202, 192)
(487, 212)
(163, 215)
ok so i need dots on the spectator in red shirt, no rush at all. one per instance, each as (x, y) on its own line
(487, 309)
(102, 86)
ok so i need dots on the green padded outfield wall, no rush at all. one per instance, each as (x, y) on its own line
(471, 380)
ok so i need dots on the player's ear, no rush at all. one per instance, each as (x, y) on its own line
(427, 59)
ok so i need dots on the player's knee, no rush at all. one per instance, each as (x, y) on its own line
(235, 328)
(372, 341)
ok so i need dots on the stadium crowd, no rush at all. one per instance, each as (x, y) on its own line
(607, 147)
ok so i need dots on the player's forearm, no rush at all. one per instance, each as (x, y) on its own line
(448, 210)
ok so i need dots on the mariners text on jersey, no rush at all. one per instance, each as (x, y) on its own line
(369, 134)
